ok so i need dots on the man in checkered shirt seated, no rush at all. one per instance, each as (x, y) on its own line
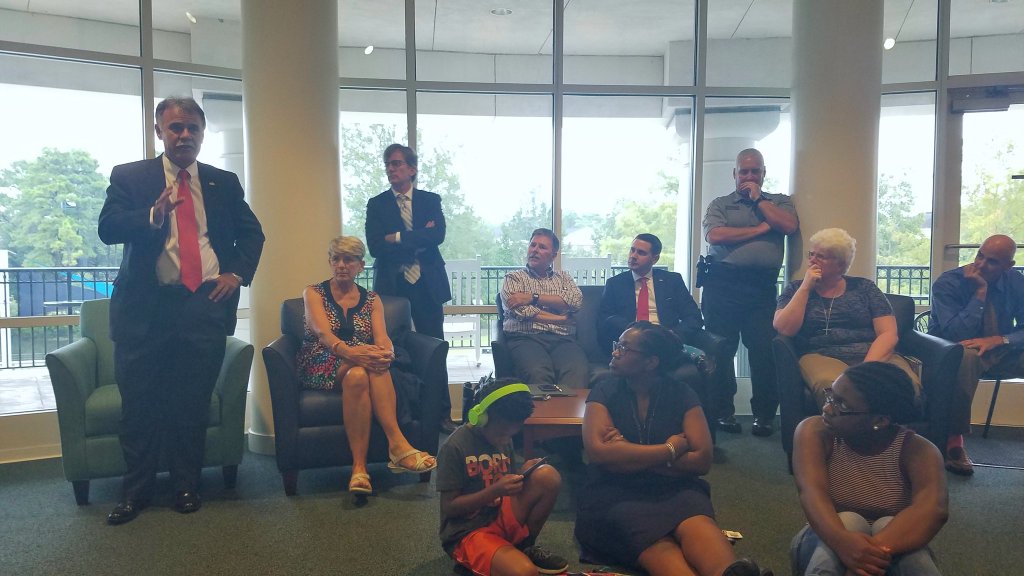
(540, 328)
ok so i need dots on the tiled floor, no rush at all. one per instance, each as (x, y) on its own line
(29, 390)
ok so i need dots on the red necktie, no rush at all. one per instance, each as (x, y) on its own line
(643, 310)
(188, 236)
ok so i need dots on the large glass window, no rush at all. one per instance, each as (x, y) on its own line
(985, 37)
(371, 36)
(906, 143)
(909, 30)
(198, 32)
(98, 26)
(644, 42)
(750, 43)
(992, 177)
(53, 179)
(642, 184)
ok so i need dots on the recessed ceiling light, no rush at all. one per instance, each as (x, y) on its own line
(368, 50)
(190, 17)
(889, 43)
(501, 12)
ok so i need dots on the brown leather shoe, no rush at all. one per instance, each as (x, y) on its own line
(958, 462)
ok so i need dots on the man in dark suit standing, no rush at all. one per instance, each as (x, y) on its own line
(404, 227)
(190, 240)
(643, 293)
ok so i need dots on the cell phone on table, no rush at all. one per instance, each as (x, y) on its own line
(528, 471)
(550, 388)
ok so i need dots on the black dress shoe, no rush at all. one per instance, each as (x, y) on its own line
(745, 567)
(447, 425)
(762, 427)
(187, 502)
(729, 424)
(125, 511)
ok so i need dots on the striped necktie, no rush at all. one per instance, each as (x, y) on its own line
(410, 271)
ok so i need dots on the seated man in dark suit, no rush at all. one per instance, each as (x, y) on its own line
(644, 293)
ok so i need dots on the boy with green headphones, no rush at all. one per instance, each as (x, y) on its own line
(490, 515)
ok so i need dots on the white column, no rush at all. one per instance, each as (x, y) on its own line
(290, 91)
(837, 85)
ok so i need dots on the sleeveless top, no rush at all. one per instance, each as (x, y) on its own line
(872, 486)
(316, 364)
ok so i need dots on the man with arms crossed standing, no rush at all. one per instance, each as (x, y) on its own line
(746, 231)
(404, 228)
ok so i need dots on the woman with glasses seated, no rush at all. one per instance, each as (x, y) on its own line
(346, 345)
(648, 444)
(874, 493)
(837, 320)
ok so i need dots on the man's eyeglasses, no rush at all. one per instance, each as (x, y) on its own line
(838, 408)
(394, 163)
(620, 347)
(811, 255)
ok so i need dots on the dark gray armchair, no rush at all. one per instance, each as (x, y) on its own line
(308, 427)
(939, 358)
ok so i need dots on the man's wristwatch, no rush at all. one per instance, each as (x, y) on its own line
(1006, 341)
(536, 298)
(237, 277)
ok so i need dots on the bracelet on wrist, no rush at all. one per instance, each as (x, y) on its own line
(671, 449)
(334, 348)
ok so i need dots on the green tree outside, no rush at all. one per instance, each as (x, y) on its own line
(51, 218)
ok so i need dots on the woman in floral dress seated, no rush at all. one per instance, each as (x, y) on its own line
(346, 345)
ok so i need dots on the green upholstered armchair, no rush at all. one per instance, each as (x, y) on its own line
(89, 404)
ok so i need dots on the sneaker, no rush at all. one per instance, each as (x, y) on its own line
(958, 462)
(545, 561)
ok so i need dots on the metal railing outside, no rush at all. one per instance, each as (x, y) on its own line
(47, 292)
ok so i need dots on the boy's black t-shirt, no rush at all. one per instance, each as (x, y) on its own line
(468, 463)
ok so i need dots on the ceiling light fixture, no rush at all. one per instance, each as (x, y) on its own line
(890, 42)
(190, 17)
(501, 12)
(368, 50)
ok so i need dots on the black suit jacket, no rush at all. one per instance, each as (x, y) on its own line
(676, 309)
(235, 236)
(421, 243)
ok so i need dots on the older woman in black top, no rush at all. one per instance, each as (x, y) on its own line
(647, 442)
(837, 320)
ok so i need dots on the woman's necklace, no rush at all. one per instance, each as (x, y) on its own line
(828, 313)
(643, 431)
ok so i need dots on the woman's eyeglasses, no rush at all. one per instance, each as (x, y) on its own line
(839, 408)
(819, 255)
(620, 347)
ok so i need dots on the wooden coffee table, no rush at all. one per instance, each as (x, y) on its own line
(556, 417)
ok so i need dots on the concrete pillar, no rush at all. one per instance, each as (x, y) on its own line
(290, 90)
(837, 85)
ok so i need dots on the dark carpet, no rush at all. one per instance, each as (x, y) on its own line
(256, 529)
(1003, 447)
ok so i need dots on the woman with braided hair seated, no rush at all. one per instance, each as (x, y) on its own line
(648, 444)
(874, 493)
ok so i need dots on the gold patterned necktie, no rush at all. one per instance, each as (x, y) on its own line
(410, 271)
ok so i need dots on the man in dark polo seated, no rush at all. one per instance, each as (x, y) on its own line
(539, 326)
(643, 293)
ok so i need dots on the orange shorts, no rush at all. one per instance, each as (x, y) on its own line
(476, 550)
